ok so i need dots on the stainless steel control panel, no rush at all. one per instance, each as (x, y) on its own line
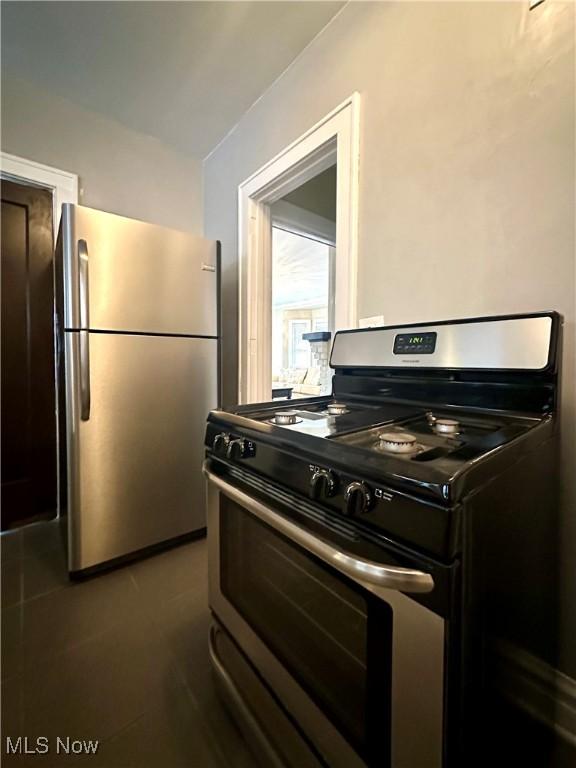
(510, 343)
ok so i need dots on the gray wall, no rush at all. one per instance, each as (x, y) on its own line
(120, 170)
(317, 195)
(466, 175)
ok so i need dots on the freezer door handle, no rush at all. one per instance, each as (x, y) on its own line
(84, 375)
(83, 283)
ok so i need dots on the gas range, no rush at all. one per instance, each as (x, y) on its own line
(391, 430)
(404, 494)
(355, 463)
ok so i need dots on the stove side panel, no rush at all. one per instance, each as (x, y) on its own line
(509, 607)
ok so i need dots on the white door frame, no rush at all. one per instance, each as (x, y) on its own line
(334, 139)
(64, 185)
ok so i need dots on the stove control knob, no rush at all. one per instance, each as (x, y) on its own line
(220, 443)
(240, 449)
(357, 498)
(322, 483)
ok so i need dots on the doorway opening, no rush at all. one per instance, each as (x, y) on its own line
(268, 222)
(303, 262)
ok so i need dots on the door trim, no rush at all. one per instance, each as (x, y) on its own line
(64, 185)
(334, 139)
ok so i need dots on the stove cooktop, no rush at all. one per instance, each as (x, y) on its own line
(444, 455)
(328, 418)
(385, 431)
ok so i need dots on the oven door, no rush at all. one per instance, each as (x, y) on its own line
(355, 661)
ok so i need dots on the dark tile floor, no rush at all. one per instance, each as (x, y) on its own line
(121, 658)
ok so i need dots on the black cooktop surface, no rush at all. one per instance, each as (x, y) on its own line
(362, 427)
(319, 419)
(422, 439)
(352, 439)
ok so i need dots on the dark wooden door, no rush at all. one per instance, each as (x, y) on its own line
(28, 388)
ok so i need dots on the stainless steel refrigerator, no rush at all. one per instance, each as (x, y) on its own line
(137, 309)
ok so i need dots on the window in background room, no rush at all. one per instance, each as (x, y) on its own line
(298, 349)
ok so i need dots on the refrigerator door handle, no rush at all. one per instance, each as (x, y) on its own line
(84, 375)
(84, 333)
(83, 283)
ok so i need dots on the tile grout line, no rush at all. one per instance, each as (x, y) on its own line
(133, 580)
(175, 667)
(180, 677)
(65, 650)
(202, 723)
(126, 726)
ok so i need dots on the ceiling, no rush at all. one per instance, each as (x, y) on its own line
(184, 72)
(300, 271)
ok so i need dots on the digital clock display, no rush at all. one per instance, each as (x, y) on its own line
(415, 343)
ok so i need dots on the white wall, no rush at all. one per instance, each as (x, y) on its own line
(466, 173)
(120, 170)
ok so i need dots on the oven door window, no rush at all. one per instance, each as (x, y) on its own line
(333, 637)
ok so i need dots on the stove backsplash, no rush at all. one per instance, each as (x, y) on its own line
(501, 392)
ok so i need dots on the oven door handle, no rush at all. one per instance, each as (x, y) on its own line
(360, 570)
